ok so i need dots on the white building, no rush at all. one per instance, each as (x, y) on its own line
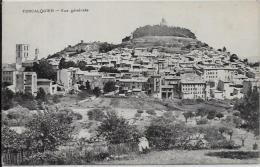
(47, 85)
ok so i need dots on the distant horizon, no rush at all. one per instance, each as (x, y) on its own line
(112, 21)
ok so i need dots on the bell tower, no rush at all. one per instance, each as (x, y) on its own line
(22, 54)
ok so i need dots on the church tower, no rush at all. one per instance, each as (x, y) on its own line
(22, 54)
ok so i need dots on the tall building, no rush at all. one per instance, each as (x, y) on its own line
(26, 82)
(22, 54)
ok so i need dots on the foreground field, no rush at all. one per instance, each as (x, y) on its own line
(181, 157)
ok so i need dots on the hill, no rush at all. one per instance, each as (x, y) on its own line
(163, 30)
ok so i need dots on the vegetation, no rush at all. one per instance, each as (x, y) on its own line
(249, 110)
(188, 115)
(106, 47)
(158, 30)
(96, 114)
(109, 86)
(43, 69)
(116, 129)
(6, 98)
(151, 112)
(47, 131)
(108, 69)
(97, 91)
(41, 95)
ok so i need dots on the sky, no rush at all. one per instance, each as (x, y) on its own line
(235, 25)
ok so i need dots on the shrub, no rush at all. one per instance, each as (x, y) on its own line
(96, 114)
(224, 144)
(140, 111)
(138, 114)
(151, 112)
(202, 121)
(219, 115)
(199, 100)
(211, 114)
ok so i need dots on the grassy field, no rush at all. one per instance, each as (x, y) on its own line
(181, 157)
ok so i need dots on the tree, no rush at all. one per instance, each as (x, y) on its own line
(47, 131)
(249, 110)
(233, 58)
(242, 137)
(41, 95)
(201, 112)
(222, 130)
(230, 133)
(106, 47)
(109, 86)
(163, 132)
(188, 115)
(44, 69)
(116, 129)
(108, 69)
(6, 98)
(62, 63)
(88, 85)
(97, 91)
(82, 65)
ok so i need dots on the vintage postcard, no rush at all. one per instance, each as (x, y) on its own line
(130, 83)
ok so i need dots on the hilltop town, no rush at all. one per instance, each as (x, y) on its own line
(165, 67)
(160, 83)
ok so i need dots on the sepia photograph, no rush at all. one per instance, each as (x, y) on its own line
(130, 82)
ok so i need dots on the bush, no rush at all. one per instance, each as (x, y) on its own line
(211, 114)
(219, 115)
(140, 111)
(224, 144)
(202, 121)
(138, 114)
(235, 154)
(96, 114)
(151, 112)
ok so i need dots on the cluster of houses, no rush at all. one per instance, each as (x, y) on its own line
(201, 73)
